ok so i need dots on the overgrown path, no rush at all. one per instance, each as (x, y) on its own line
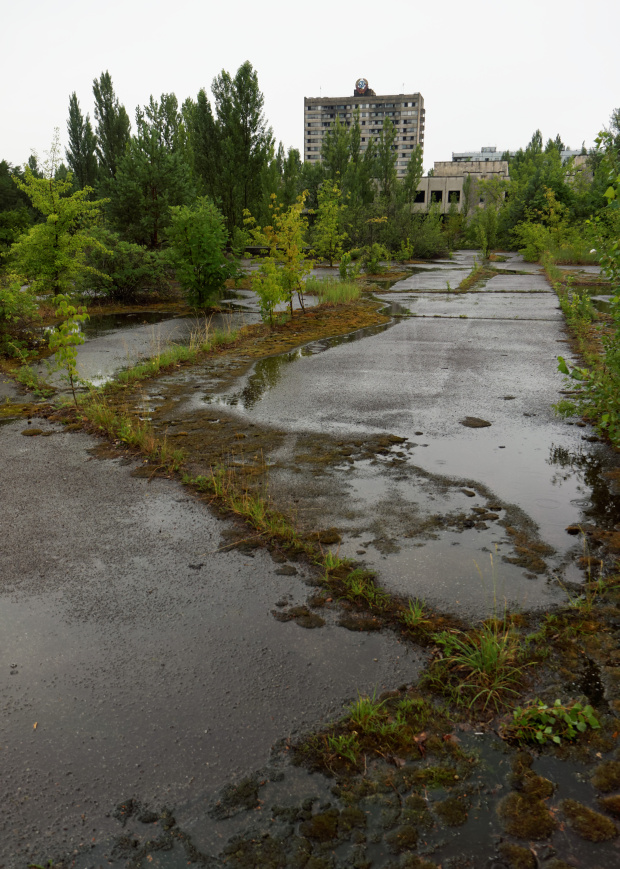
(144, 645)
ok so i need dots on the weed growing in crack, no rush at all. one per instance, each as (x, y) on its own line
(415, 614)
(132, 431)
(483, 668)
(540, 723)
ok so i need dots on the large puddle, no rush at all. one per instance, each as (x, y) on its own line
(413, 512)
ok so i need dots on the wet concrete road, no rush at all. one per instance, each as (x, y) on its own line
(147, 658)
(489, 354)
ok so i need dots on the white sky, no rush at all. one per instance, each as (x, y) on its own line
(490, 73)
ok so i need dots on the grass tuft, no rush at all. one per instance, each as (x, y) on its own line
(333, 292)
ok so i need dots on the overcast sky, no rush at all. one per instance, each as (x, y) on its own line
(490, 73)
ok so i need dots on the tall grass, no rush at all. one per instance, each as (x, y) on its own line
(332, 291)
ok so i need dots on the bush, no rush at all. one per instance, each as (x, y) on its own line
(534, 239)
(198, 239)
(372, 256)
(127, 270)
(17, 305)
(427, 237)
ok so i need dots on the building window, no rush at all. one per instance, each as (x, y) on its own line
(454, 196)
(420, 196)
(436, 195)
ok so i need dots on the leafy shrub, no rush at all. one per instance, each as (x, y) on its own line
(534, 239)
(198, 239)
(348, 270)
(123, 270)
(541, 723)
(17, 305)
(372, 256)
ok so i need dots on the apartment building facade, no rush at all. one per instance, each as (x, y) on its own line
(406, 111)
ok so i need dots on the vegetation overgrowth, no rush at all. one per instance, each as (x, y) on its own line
(182, 193)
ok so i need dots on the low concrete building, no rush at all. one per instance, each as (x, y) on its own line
(445, 185)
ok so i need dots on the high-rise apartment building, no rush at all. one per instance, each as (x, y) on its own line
(406, 111)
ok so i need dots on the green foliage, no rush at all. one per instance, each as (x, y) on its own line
(267, 285)
(65, 338)
(415, 168)
(534, 239)
(152, 175)
(347, 268)
(332, 291)
(81, 153)
(541, 723)
(113, 128)
(415, 614)
(122, 270)
(481, 668)
(198, 239)
(372, 256)
(386, 160)
(282, 272)
(17, 305)
(328, 235)
(599, 395)
(51, 255)
(244, 143)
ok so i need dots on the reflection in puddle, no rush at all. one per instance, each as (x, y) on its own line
(101, 324)
(267, 372)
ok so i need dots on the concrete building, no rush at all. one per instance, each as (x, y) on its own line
(446, 182)
(406, 111)
(447, 179)
(490, 154)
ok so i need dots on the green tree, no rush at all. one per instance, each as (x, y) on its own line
(245, 142)
(81, 153)
(204, 143)
(386, 159)
(533, 171)
(66, 337)
(152, 176)
(51, 255)
(123, 270)
(283, 271)
(357, 181)
(16, 212)
(113, 127)
(413, 174)
(328, 233)
(335, 151)
(198, 239)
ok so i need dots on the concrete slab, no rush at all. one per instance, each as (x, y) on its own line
(139, 658)
(481, 306)
(518, 284)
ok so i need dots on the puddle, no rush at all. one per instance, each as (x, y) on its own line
(267, 372)
(283, 815)
(102, 324)
(602, 304)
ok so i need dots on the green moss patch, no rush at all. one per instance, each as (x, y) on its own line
(587, 823)
(606, 776)
(525, 817)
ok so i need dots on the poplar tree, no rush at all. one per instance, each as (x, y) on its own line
(245, 141)
(81, 153)
(113, 127)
